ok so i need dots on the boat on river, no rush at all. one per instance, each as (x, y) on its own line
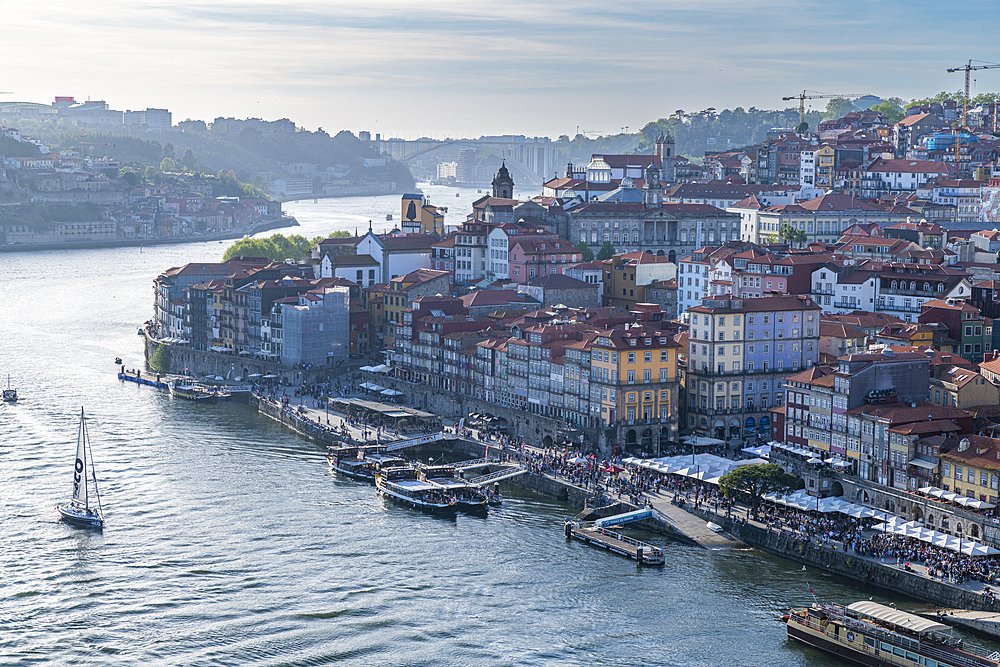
(361, 462)
(9, 394)
(403, 483)
(78, 511)
(868, 633)
(191, 391)
(467, 496)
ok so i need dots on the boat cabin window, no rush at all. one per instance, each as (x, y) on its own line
(870, 641)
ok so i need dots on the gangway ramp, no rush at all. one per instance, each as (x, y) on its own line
(499, 475)
(476, 463)
(627, 517)
(415, 441)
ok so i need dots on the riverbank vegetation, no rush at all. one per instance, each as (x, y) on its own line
(278, 246)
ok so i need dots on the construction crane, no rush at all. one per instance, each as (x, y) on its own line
(811, 95)
(968, 67)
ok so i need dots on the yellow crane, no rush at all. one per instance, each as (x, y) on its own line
(812, 95)
(969, 67)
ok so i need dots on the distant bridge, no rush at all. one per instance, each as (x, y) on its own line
(532, 160)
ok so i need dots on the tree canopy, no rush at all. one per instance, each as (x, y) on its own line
(757, 480)
(585, 251)
(607, 251)
(791, 234)
(277, 247)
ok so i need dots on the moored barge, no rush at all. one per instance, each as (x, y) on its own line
(868, 633)
(361, 462)
(467, 496)
(403, 483)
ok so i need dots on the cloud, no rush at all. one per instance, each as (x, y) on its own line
(440, 67)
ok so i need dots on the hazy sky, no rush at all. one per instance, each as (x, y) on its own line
(435, 68)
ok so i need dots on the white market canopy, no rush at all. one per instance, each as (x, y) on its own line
(704, 467)
(919, 532)
(764, 451)
(935, 492)
(371, 386)
(391, 392)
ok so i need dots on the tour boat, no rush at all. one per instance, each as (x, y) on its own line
(191, 391)
(868, 633)
(404, 484)
(9, 394)
(78, 511)
(361, 462)
(467, 496)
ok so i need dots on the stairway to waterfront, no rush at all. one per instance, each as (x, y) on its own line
(691, 525)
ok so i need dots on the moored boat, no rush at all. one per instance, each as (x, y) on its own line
(467, 496)
(191, 391)
(403, 484)
(361, 462)
(78, 511)
(868, 633)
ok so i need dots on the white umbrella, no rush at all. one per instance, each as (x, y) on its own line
(926, 489)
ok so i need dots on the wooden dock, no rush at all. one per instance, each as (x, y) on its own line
(644, 554)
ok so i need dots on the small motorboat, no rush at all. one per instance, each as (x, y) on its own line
(118, 361)
(714, 527)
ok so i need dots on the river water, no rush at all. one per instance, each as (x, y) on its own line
(229, 542)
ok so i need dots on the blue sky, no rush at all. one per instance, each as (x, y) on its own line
(440, 68)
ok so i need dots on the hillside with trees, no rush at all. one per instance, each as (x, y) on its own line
(196, 148)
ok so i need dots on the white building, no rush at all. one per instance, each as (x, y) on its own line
(845, 287)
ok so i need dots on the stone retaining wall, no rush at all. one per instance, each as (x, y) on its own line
(852, 567)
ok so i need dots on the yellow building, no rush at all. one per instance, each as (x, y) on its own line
(418, 216)
(962, 388)
(635, 372)
(972, 469)
(825, 159)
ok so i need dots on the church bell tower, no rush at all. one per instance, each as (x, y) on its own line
(503, 184)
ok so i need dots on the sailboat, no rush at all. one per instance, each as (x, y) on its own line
(78, 511)
(9, 394)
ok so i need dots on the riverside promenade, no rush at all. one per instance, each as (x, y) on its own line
(686, 524)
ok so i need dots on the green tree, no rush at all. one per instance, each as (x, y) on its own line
(161, 359)
(791, 234)
(342, 234)
(169, 150)
(169, 164)
(802, 127)
(757, 480)
(276, 247)
(607, 251)
(585, 251)
(890, 111)
(838, 108)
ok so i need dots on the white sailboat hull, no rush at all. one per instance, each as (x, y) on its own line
(79, 516)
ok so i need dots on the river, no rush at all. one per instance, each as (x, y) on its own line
(229, 542)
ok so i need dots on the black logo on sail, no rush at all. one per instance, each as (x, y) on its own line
(76, 476)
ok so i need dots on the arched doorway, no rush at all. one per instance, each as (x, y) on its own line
(547, 441)
(734, 428)
(659, 253)
(837, 490)
(958, 529)
(749, 426)
(647, 439)
(765, 426)
(916, 514)
(630, 437)
(944, 523)
(720, 429)
(664, 436)
(974, 530)
(672, 256)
